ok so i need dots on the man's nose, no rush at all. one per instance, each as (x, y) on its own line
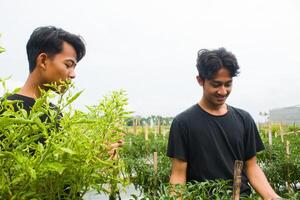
(72, 74)
(222, 91)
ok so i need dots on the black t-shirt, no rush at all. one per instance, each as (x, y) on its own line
(27, 103)
(211, 144)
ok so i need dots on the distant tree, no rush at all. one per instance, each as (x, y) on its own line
(150, 120)
(265, 115)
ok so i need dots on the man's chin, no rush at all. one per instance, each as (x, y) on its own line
(220, 102)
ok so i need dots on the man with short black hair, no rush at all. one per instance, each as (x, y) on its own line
(207, 138)
(52, 54)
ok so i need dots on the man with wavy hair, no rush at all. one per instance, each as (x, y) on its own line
(207, 138)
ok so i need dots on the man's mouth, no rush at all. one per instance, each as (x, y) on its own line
(221, 98)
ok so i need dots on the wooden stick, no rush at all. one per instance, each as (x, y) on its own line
(137, 126)
(158, 126)
(270, 136)
(155, 166)
(281, 133)
(163, 133)
(146, 132)
(287, 148)
(237, 179)
(134, 126)
(288, 168)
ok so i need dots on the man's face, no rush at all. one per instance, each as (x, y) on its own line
(61, 66)
(217, 89)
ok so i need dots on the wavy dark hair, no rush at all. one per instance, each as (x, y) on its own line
(210, 61)
(49, 40)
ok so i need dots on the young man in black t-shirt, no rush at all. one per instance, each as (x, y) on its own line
(53, 54)
(206, 139)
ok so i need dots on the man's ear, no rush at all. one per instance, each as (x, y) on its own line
(200, 80)
(41, 61)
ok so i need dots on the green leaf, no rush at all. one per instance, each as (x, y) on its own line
(56, 167)
(67, 150)
(2, 49)
(31, 172)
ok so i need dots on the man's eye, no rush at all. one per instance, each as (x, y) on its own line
(215, 85)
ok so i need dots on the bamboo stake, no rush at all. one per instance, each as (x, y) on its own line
(163, 133)
(288, 153)
(146, 132)
(137, 126)
(134, 126)
(281, 133)
(270, 136)
(155, 166)
(288, 169)
(237, 180)
(155, 134)
(158, 126)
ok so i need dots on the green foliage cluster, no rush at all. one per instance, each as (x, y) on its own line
(282, 170)
(74, 158)
(207, 190)
(139, 165)
(138, 157)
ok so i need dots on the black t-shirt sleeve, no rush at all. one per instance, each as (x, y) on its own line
(177, 146)
(253, 142)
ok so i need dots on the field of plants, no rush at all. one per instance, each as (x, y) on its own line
(74, 158)
(149, 168)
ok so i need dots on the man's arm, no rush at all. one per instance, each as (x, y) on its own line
(178, 176)
(178, 173)
(259, 181)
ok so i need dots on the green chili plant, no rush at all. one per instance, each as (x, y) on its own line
(73, 158)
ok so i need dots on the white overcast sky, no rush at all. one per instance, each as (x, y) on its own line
(149, 48)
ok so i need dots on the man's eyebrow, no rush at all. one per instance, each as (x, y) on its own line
(71, 60)
(216, 81)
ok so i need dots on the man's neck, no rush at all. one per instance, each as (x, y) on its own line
(213, 109)
(31, 88)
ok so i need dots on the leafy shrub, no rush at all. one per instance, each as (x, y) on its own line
(74, 158)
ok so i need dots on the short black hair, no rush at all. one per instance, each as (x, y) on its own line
(49, 40)
(210, 61)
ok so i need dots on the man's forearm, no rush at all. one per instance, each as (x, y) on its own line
(260, 183)
(178, 177)
(177, 180)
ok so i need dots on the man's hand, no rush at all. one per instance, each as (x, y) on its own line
(113, 148)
